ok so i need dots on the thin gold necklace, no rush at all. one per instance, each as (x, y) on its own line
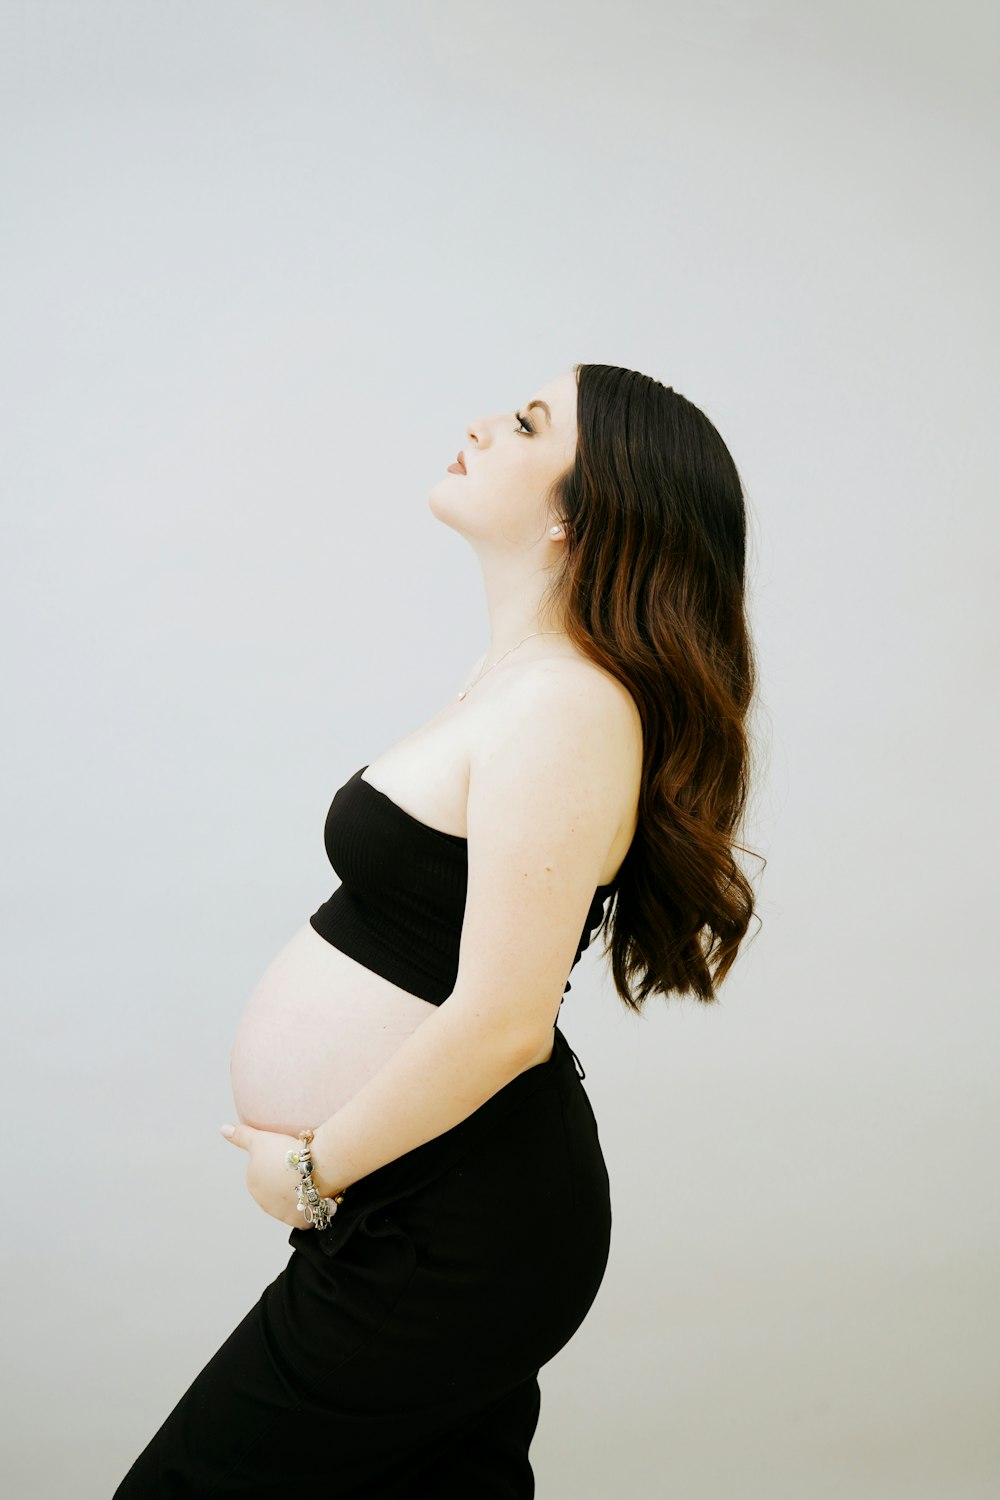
(507, 653)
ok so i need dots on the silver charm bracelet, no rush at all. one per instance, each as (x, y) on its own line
(318, 1211)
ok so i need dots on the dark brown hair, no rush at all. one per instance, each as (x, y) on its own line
(652, 589)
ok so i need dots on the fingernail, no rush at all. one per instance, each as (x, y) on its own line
(228, 1130)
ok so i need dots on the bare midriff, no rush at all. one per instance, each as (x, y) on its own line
(318, 1025)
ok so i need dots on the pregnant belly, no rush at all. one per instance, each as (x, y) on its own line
(316, 1028)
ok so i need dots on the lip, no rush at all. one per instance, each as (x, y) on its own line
(458, 467)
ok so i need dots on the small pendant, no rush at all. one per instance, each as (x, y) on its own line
(463, 692)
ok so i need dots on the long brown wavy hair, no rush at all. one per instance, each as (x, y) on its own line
(652, 589)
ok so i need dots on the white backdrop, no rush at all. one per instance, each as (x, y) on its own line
(261, 264)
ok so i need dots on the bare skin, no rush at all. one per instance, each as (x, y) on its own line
(318, 1024)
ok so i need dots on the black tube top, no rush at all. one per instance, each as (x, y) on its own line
(401, 903)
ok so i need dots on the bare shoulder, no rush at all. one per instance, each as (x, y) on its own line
(590, 695)
(593, 681)
(569, 710)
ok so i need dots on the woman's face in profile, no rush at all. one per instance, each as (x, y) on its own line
(510, 461)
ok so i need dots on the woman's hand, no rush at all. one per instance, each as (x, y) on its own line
(272, 1182)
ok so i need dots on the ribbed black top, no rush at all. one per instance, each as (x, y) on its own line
(400, 907)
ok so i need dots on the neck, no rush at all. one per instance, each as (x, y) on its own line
(515, 612)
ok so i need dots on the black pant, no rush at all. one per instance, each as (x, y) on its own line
(396, 1356)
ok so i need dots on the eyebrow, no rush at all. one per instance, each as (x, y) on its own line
(544, 407)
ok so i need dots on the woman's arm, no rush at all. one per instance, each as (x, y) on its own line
(543, 811)
(440, 1075)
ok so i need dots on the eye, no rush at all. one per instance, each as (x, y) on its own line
(524, 422)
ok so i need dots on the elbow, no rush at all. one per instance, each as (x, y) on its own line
(501, 1033)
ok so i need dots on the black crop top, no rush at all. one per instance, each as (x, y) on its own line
(400, 907)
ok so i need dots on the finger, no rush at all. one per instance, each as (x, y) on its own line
(238, 1134)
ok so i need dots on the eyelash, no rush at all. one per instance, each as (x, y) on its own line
(524, 421)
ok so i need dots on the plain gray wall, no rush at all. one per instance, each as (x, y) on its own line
(261, 264)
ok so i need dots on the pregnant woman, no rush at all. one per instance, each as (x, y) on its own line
(407, 1100)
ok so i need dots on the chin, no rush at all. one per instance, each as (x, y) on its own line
(437, 504)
